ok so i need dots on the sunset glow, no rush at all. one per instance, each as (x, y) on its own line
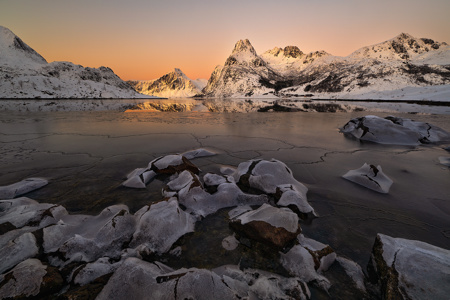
(146, 39)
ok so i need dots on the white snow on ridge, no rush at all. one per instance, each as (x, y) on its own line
(26, 74)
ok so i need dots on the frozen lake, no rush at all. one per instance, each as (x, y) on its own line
(86, 155)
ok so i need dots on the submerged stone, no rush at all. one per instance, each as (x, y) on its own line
(197, 153)
(370, 177)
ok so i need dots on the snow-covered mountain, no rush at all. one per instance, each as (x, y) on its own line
(170, 85)
(396, 64)
(24, 73)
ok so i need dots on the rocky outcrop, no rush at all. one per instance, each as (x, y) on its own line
(407, 269)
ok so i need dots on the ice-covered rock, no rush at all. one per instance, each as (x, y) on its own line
(139, 178)
(370, 177)
(394, 130)
(29, 278)
(15, 247)
(88, 238)
(274, 226)
(22, 187)
(230, 243)
(354, 271)
(161, 226)
(190, 193)
(288, 196)
(136, 279)
(443, 160)
(299, 262)
(91, 271)
(408, 269)
(197, 153)
(27, 212)
(171, 164)
(262, 284)
(267, 176)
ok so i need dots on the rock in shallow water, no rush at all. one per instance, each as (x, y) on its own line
(191, 194)
(274, 226)
(87, 238)
(394, 130)
(161, 226)
(137, 279)
(22, 187)
(308, 260)
(408, 269)
(370, 177)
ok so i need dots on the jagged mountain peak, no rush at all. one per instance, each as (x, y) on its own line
(243, 46)
(14, 51)
(172, 84)
(403, 46)
(288, 52)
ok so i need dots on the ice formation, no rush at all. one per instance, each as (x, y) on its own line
(370, 177)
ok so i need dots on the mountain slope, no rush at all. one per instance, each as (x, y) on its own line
(403, 61)
(173, 84)
(24, 73)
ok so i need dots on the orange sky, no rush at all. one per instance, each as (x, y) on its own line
(141, 39)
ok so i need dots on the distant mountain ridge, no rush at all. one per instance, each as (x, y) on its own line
(172, 84)
(24, 73)
(401, 62)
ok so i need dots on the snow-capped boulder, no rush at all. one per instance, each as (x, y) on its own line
(171, 164)
(308, 260)
(288, 196)
(22, 187)
(137, 279)
(276, 227)
(262, 284)
(88, 238)
(91, 271)
(370, 177)
(15, 247)
(394, 130)
(408, 269)
(267, 176)
(191, 194)
(23, 211)
(354, 271)
(30, 278)
(161, 226)
(139, 178)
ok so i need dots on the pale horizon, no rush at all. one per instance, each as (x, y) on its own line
(142, 40)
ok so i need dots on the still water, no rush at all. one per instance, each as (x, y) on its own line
(87, 154)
